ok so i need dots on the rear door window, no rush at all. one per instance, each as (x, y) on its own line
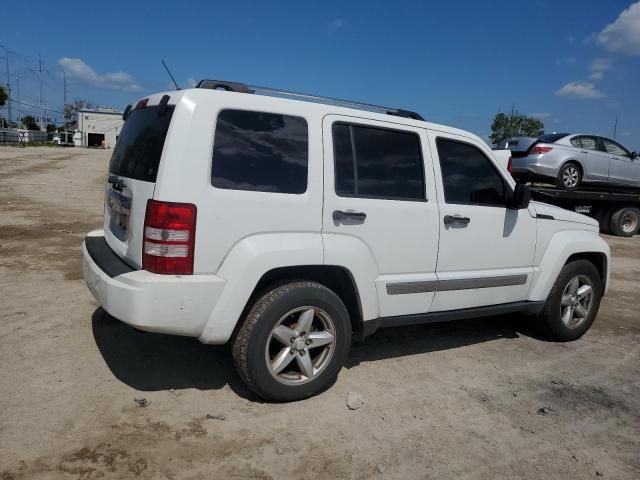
(372, 162)
(588, 143)
(139, 147)
(261, 152)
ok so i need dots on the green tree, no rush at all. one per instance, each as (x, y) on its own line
(30, 122)
(3, 96)
(71, 110)
(514, 125)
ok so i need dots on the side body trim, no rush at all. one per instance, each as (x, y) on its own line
(400, 288)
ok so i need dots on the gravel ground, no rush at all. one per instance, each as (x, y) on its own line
(85, 396)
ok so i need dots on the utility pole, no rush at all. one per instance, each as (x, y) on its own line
(18, 91)
(6, 57)
(64, 77)
(615, 128)
(42, 126)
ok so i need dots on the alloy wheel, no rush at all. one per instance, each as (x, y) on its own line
(570, 176)
(300, 345)
(576, 302)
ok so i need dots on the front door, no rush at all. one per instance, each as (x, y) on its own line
(380, 216)
(624, 170)
(486, 250)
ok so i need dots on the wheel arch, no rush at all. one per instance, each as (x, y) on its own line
(565, 246)
(336, 278)
(598, 259)
(578, 163)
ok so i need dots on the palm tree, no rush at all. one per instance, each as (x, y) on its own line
(3, 96)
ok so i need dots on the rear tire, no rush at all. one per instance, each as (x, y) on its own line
(569, 177)
(624, 222)
(293, 342)
(573, 303)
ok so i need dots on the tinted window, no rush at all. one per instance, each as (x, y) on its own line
(263, 152)
(468, 175)
(615, 148)
(552, 137)
(588, 143)
(139, 147)
(377, 163)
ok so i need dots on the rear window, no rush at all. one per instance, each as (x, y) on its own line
(552, 137)
(260, 152)
(139, 146)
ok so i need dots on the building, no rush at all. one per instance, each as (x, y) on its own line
(99, 124)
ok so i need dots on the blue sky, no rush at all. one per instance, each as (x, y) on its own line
(573, 63)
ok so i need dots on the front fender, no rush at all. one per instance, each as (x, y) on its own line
(563, 245)
(243, 267)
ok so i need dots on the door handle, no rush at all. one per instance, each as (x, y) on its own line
(584, 151)
(456, 219)
(349, 216)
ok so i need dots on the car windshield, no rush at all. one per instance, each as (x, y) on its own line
(552, 137)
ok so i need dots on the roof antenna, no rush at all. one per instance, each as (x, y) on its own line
(169, 72)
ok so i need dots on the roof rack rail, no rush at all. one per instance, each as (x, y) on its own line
(252, 89)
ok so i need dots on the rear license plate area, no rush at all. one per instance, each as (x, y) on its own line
(119, 208)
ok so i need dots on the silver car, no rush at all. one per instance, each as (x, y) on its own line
(570, 160)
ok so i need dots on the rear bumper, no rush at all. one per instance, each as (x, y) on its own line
(532, 166)
(173, 304)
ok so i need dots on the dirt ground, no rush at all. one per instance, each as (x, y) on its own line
(454, 400)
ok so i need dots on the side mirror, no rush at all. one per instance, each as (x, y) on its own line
(127, 112)
(520, 197)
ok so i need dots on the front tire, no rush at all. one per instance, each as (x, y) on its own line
(293, 342)
(573, 303)
(569, 176)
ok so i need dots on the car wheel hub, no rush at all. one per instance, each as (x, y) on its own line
(300, 345)
(570, 176)
(576, 301)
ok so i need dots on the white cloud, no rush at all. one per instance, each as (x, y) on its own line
(335, 25)
(78, 69)
(598, 67)
(623, 35)
(580, 90)
(191, 82)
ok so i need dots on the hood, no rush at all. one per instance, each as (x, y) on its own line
(563, 215)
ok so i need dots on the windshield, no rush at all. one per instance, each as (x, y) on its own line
(139, 146)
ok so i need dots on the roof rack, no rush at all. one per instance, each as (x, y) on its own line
(252, 89)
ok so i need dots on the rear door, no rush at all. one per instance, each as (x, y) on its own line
(131, 180)
(594, 162)
(624, 170)
(380, 209)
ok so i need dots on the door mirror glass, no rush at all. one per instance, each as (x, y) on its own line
(520, 197)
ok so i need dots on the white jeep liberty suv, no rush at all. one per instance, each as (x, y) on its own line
(288, 224)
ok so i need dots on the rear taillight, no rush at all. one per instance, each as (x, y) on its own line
(509, 165)
(538, 150)
(169, 237)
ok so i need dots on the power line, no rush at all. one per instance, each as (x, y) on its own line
(34, 106)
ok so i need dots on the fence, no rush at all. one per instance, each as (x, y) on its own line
(15, 136)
